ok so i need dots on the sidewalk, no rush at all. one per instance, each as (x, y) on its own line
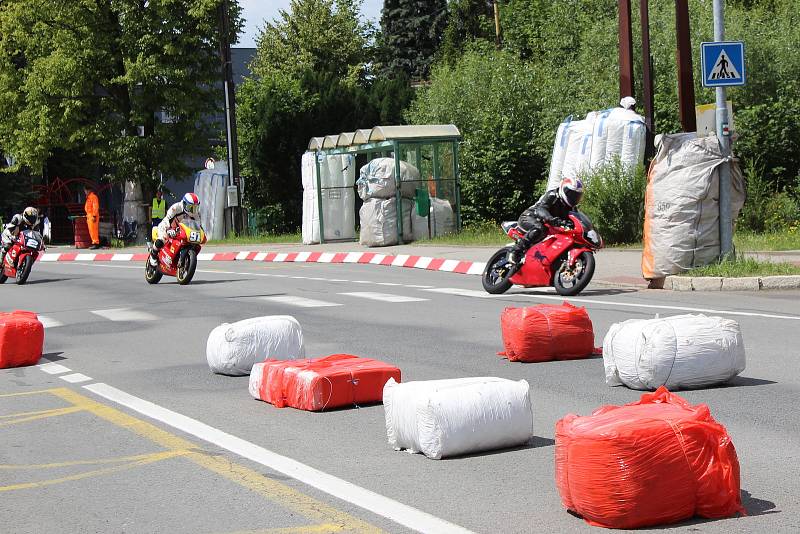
(617, 267)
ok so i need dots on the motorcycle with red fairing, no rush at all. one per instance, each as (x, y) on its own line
(564, 259)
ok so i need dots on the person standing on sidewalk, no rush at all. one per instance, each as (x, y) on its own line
(92, 209)
(159, 209)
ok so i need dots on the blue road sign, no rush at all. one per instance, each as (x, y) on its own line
(723, 63)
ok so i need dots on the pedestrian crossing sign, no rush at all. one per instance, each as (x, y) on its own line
(723, 63)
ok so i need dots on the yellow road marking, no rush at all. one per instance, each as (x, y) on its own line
(37, 392)
(273, 490)
(150, 458)
(72, 463)
(41, 415)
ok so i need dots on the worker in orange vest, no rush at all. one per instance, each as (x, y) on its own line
(92, 209)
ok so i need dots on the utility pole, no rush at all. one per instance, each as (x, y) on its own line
(497, 32)
(625, 50)
(230, 113)
(725, 221)
(686, 100)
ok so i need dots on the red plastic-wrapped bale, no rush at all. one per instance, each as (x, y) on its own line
(546, 332)
(651, 462)
(21, 339)
(322, 383)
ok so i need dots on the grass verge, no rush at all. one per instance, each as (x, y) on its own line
(259, 239)
(751, 242)
(741, 267)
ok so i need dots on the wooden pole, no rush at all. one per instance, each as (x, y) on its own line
(625, 50)
(686, 101)
(647, 77)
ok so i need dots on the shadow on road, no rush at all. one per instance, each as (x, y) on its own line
(745, 381)
(534, 443)
(585, 293)
(54, 356)
(753, 506)
(47, 280)
(205, 282)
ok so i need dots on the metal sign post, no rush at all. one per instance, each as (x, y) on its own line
(723, 65)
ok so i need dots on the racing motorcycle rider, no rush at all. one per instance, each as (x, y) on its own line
(27, 220)
(189, 207)
(552, 208)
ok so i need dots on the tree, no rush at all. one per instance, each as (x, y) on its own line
(467, 21)
(123, 83)
(411, 35)
(316, 35)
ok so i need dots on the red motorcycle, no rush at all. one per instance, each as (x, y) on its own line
(178, 256)
(564, 259)
(20, 258)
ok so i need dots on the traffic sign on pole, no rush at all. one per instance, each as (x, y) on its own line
(723, 63)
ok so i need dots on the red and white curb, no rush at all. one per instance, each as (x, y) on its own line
(370, 258)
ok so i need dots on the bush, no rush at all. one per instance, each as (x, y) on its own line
(614, 200)
(766, 210)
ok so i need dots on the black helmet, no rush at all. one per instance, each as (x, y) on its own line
(30, 216)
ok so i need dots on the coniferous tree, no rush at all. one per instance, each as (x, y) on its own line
(412, 32)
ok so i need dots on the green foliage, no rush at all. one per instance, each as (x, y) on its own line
(315, 35)
(745, 266)
(17, 193)
(467, 21)
(487, 94)
(301, 90)
(765, 209)
(411, 33)
(614, 200)
(82, 76)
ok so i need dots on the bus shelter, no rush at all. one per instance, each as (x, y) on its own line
(421, 159)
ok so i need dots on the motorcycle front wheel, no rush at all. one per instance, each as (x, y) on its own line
(187, 267)
(571, 281)
(497, 273)
(152, 274)
(24, 270)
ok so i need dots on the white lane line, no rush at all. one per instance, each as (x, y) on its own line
(398, 512)
(388, 284)
(75, 378)
(318, 279)
(299, 277)
(54, 368)
(462, 292)
(384, 297)
(417, 286)
(49, 322)
(300, 301)
(124, 314)
(362, 282)
(338, 280)
(657, 306)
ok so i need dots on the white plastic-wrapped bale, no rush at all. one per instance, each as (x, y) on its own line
(232, 349)
(379, 222)
(559, 151)
(377, 179)
(459, 416)
(679, 352)
(440, 221)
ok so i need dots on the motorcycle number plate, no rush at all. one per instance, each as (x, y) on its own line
(194, 237)
(32, 243)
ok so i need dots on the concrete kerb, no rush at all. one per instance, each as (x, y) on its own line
(749, 283)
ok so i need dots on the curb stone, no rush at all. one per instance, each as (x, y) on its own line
(749, 283)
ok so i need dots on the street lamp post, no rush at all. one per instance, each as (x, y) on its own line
(725, 220)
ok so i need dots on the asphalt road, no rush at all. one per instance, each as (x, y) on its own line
(93, 464)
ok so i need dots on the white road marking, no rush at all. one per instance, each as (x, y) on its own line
(398, 512)
(416, 286)
(477, 267)
(462, 292)
(319, 279)
(260, 256)
(124, 314)
(338, 280)
(385, 297)
(388, 284)
(205, 256)
(399, 260)
(326, 257)
(49, 322)
(362, 282)
(352, 257)
(299, 277)
(300, 301)
(75, 378)
(54, 368)
(302, 257)
(657, 306)
(122, 257)
(281, 257)
(449, 265)
(377, 258)
(423, 262)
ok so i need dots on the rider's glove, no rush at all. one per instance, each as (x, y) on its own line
(171, 232)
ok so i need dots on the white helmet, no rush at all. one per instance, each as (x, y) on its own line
(570, 191)
(191, 204)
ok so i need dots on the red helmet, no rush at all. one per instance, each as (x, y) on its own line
(191, 204)
(571, 191)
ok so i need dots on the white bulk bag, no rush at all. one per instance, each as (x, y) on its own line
(459, 416)
(559, 151)
(679, 352)
(599, 139)
(379, 222)
(339, 212)
(233, 349)
(579, 151)
(441, 218)
(377, 179)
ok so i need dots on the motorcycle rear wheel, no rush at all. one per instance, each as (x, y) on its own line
(187, 267)
(496, 274)
(24, 270)
(152, 274)
(569, 283)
